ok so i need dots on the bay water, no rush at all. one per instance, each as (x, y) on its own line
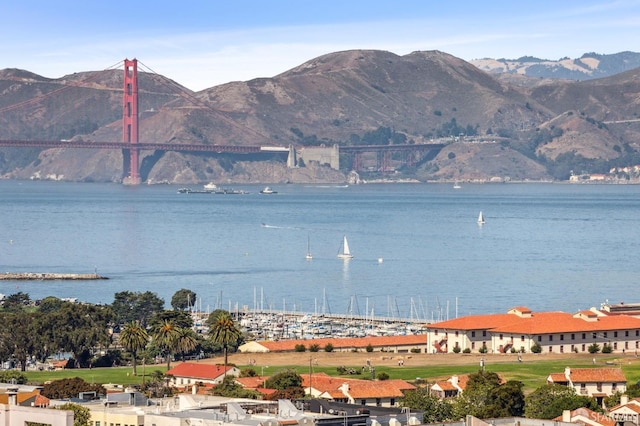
(418, 249)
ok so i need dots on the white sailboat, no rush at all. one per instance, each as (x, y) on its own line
(480, 218)
(344, 252)
(308, 256)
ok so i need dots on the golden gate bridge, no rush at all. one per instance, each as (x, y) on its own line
(131, 145)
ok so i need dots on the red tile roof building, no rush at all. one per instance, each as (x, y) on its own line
(520, 329)
(594, 382)
(193, 373)
(346, 344)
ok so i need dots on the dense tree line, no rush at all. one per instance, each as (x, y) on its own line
(486, 396)
(134, 327)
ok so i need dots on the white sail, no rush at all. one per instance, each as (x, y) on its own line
(309, 256)
(345, 253)
(480, 218)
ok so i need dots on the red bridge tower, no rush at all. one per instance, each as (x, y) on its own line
(130, 123)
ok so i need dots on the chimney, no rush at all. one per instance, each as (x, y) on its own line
(566, 416)
(567, 373)
(624, 399)
(12, 395)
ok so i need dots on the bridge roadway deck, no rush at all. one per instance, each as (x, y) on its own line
(219, 149)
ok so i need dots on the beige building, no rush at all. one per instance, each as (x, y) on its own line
(12, 413)
(597, 383)
(520, 329)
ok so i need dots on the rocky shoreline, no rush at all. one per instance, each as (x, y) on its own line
(46, 276)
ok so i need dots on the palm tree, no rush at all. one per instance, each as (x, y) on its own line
(166, 337)
(134, 338)
(224, 331)
(187, 341)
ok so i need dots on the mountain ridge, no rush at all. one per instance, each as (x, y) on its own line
(504, 126)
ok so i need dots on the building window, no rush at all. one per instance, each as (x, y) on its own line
(550, 349)
(604, 334)
(378, 402)
(500, 336)
(626, 345)
(573, 348)
(484, 333)
(539, 338)
(583, 347)
(626, 333)
(522, 338)
(583, 389)
(561, 349)
(435, 332)
(614, 386)
(573, 336)
(550, 338)
(584, 336)
(599, 386)
(562, 337)
(615, 345)
(615, 334)
(637, 332)
(473, 334)
(392, 402)
(363, 402)
(473, 345)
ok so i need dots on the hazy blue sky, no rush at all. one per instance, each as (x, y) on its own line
(202, 43)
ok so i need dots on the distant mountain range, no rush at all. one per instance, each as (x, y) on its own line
(511, 125)
(588, 66)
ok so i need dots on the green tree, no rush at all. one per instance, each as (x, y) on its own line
(50, 304)
(549, 401)
(166, 337)
(187, 341)
(81, 415)
(130, 306)
(434, 409)
(183, 299)
(180, 319)
(16, 302)
(20, 335)
(224, 331)
(232, 389)
(287, 383)
(70, 388)
(486, 397)
(79, 328)
(134, 338)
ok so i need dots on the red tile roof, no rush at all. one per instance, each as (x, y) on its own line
(358, 388)
(538, 323)
(591, 416)
(597, 375)
(198, 371)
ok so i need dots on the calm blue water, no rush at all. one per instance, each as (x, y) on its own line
(546, 246)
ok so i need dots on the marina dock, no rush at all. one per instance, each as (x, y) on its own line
(47, 276)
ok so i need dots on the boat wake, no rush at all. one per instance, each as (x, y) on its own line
(264, 225)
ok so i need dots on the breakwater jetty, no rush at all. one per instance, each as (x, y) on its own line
(47, 276)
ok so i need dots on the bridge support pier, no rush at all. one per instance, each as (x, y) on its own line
(130, 123)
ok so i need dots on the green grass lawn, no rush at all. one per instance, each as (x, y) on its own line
(532, 373)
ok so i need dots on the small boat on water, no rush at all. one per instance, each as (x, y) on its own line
(344, 252)
(308, 256)
(480, 218)
(268, 191)
(456, 186)
(211, 186)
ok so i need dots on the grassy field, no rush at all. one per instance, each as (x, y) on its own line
(532, 373)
